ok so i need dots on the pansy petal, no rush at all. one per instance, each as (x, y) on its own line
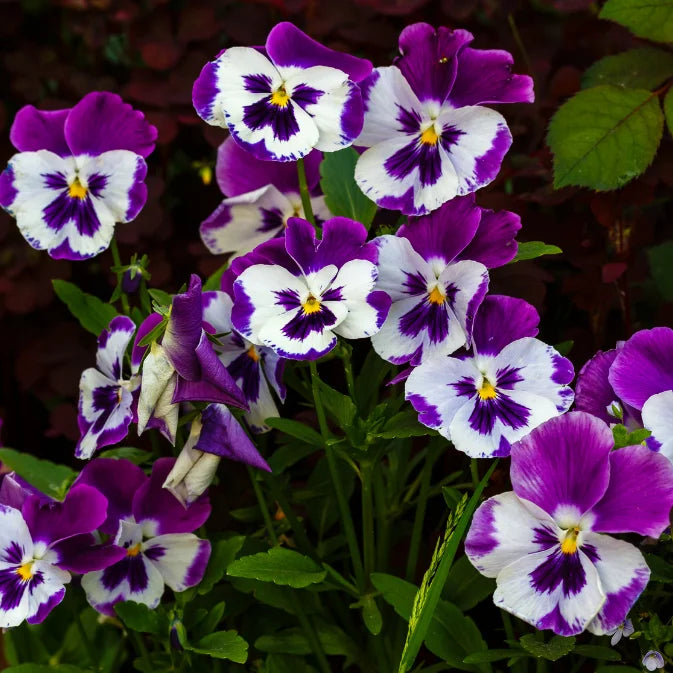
(216, 312)
(503, 530)
(501, 320)
(493, 244)
(157, 378)
(263, 407)
(138, 351)
(101, 122)
(658, 418)
(112, 345)
(159, 510)
(623, 574)
(43, 596)
(400, 265)
(34, 130)
(551, 590)
(593, 392)
(241, 223)
(639, 496)
(82, 554)
(540, 472)
(479, 139)
(180, 558)
(644, 366)
(289, 46)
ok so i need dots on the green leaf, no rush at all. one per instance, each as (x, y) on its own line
(286, 663)
(642, 68)
(661, 262)
(160, 297)
(652, 19)
(618, 669)
(137, 456)
(138, 617)
(564, 347)
(341, 406)
(597, 652)
(404, 424)
(47, 477)
(296, 430)
(661, 571)
(93, 314)
(429, 593)
(223, 554)
(553, 650)
(624, 438)
(371, 615)
(280, 566)
(604, 137)
(668, 110)
(493, 655)
(223, 645)
(43, 668)
(342, 195)
(465, 586)
(534, 249)
(213, 281)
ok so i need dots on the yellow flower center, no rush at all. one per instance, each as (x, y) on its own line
(311, 305)
(253, 354)
(569, 544)
(429, 136)
(133, 551)
(436, 296)
(487, 390)
(443, 60)
(280, 98)
(77, 190)
(25, 571)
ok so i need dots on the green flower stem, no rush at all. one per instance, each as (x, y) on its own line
(417, 531)
(120, 275)
(344, 510)
(368, 546)
(308, 628)
(141, 649)
(382, 522)
(518, 666)
(474, 471)
(305, 194)
(88, 645)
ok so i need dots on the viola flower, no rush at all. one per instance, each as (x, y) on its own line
(262, 195)
(435, 272)
(183, 367)
(282, 101)
(624, 630)
(153, 528)
(105, 396)
(642, 375)
(653, 660)
(256, 369)
(429, 136)
(41, 543)
(214, 435)
(546, 542)
(311, 291)
(507, 385)
(78, 172)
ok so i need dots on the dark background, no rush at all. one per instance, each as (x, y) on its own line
(600, 290)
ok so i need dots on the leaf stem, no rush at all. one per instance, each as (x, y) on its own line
(368, 546)
(304, 192)
(344, 510)
(417, 531)
(261, 501)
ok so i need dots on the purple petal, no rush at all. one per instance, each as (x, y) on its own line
(428, 59)
(446, 232)
(118, 480)
(288, 46)
(81, 554)
(8, 191)
(45, 608)
(153, 503)
(238, 172)
(183, 331)
(35, 130)
(501, 320)
(639, 496)
(593, 392)
(101, 121)
(563, 463)
(223, 435)
(83, 510)
(138, 352)
(485, 76)
(493, 244)
(644, 366)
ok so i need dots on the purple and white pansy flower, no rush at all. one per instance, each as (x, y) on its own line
(642, 376)
(41, 543)
(183, 367)
(435, 271)
(547, 542)
(281, 101)
(295, 295)
(214, 435)
(428, 134)
(507, 385)
(261, 196)
(154, 530)
(78, 172)
(106, 398)
(257, 370)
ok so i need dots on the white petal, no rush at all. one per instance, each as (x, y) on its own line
(180, 558)
(157, 375)
(356, 280)
(658, 418)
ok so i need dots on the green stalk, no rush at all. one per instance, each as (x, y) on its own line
(305, 194)
(141, 649)
(367, 519)
(517, 666)
(417, 531)
(344, 510)
(88, 645)
(120, 275)
(474, 470)
(382, 522)
(263, 507)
